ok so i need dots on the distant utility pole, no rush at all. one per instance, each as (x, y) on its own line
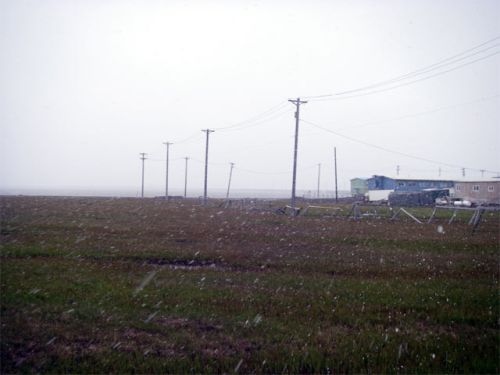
(229, 183)
(439, 172)
(166, 170)
(463, 172)
(143, 157)
(186, 177)
(335, 163)
(297, 103)
(397, 170)
(207, 131)
(319, 176)
(482, 173)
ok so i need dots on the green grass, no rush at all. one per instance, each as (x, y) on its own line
(267, 294)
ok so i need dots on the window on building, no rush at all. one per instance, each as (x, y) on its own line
(491, 188)
(475, 188)
(458, 188)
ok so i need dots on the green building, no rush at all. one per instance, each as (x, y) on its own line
(359, 186)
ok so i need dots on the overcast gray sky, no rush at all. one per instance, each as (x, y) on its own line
(85, 86)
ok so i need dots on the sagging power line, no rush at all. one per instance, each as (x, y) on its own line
(393, 151)
(411, 77)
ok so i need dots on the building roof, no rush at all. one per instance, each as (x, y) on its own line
(414, 179)
(489, 180)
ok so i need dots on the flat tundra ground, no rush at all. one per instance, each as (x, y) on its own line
(105, 285)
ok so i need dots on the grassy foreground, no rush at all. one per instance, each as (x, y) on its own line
(129, 285)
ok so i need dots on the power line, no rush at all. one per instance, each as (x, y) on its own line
(209, 163)
(438, 65)
(276, 173)
(392, 151)
(438, 109)
(275, 115)
(257, 117)
(428, 69)
(192, 136)
(409, 83)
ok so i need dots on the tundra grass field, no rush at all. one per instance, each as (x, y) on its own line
(96, 285)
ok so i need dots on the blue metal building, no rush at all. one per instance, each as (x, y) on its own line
(406, 185)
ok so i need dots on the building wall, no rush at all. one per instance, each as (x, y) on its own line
(481, 192)
(359, 186)
(379, 195)
(404, 185)
(381, 183)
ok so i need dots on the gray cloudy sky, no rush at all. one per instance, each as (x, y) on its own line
(85, 86)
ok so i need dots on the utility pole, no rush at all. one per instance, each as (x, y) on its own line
(319, 175)
(397, 170)
(186, 177)
(482, 173)
(143, 157)
(297, 103)
(207, 131)
(335, 162)
(439, 172)
(166, 170)
(463, 172)
(229, 183)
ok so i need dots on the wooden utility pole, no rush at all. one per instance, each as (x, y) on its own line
(297, 103)
(319, 176)
(335, 164)
(229, 183)
(186, 177)
(166, 169)
(207, 131)
(143, 157)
